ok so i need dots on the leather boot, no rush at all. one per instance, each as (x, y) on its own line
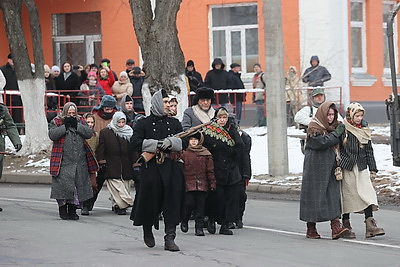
(338, 230)
(224, 230)
(312, 231)
(62, 210)
(199, 228)
(372, 229)
(72, 212)
(350, 234)
(170, 234)
(211, 227)
(239, 224)
(148, 236)
(184, 227)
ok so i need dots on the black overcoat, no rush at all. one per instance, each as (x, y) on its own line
(162, 186)
(115, 150)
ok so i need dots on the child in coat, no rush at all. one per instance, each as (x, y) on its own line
(199, 177)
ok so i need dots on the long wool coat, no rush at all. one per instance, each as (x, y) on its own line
(162, 187)
(73, 171)
(115, 150)
(320, 191)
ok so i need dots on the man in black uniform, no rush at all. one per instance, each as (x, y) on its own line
(162, 185)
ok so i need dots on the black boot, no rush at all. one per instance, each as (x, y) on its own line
(62, 210)
(148, 236)
(199, 228)
(224, 230)
(211, 228)
(85, 208)
(170, 233)
(72, 212)
(184, 227)
(239, 224)
(231, 225)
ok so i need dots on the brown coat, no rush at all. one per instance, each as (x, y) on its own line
(199, 172)
(115, 151)
(100, 123)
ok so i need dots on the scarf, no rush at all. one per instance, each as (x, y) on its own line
(199, 149)
(64, 112)
(125, 132)
(363, 134)
(319, 124)
(104, 78)
(66, 75)
(157, 104)
(103, 115)
(218, 132)
(203, 116)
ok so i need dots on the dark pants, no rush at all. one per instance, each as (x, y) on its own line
(195, 202)
(227, 203)
(100, 179)
(242, 198)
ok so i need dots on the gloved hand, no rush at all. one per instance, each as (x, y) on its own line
(372, 175)
(74, 123)
(67, 122)
(165, 144)
(340, 129)
(18, 147)
(364, 123)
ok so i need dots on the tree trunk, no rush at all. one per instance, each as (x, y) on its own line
(157, 36)
(276, 109)
(31, 85)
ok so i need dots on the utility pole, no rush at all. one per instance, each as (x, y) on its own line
(275, 85)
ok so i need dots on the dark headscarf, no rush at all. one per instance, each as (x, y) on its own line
(319, 124)
(199, 149)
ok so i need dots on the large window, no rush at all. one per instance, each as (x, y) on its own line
(358, 49)
(234, 34)
(77, 38)
(387, 8)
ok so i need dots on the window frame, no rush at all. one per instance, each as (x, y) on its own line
(228, 31)
(362, 26)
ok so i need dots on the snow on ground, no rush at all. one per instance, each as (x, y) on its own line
(387, 181)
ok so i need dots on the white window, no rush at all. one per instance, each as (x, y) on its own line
(358, 38)
(77, 38)
(387, 8)
(234, 34)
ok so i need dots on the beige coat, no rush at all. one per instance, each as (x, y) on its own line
(119, 89)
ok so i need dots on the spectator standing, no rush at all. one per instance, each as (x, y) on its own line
(71, 161)
(90, 91)
(68, 80)
(218, 79)
(199, 177)
(292, 82)
(136, 77)
(11, 86)
(115, 159)
(259, 97)
(162, 185)
(356, 154)
(105, 62)
(127, 108)
(320, 191)
(194, 78)
(122, 87)
(236, 82)
(316, 75)
(52, 101)
(7, 127)
(55, 71)
(106, 79)
(130, 64)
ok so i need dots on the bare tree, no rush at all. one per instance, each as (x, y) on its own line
(31, 85)
(157, 35)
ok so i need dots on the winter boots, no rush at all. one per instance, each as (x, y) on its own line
(211, 227)
(224, 230)
(62, 211)
(198, 226)
(350, 234)
(338, 230)
(372, 229)
(169, 243)
(184, 227)
(72, 212)
(312, 231)
(148, 236)
(85, 207)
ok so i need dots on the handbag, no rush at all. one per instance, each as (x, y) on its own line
(338, 173)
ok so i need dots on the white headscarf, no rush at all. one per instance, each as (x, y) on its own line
(125, 132)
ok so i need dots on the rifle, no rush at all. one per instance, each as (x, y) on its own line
(147, 156)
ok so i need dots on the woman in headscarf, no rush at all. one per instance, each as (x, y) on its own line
(122, 87)
(320, 191)
(356, 153)
(115, 158)
(71, 162)
(222, 139)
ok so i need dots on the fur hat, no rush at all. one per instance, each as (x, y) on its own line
(107, 101)
(203, 93)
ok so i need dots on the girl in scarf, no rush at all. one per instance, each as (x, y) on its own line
(320, 191)
(358, 193)
(199, 176)
(71, 161)
(115, 158)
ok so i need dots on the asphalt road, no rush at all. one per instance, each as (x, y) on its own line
(31, 234)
